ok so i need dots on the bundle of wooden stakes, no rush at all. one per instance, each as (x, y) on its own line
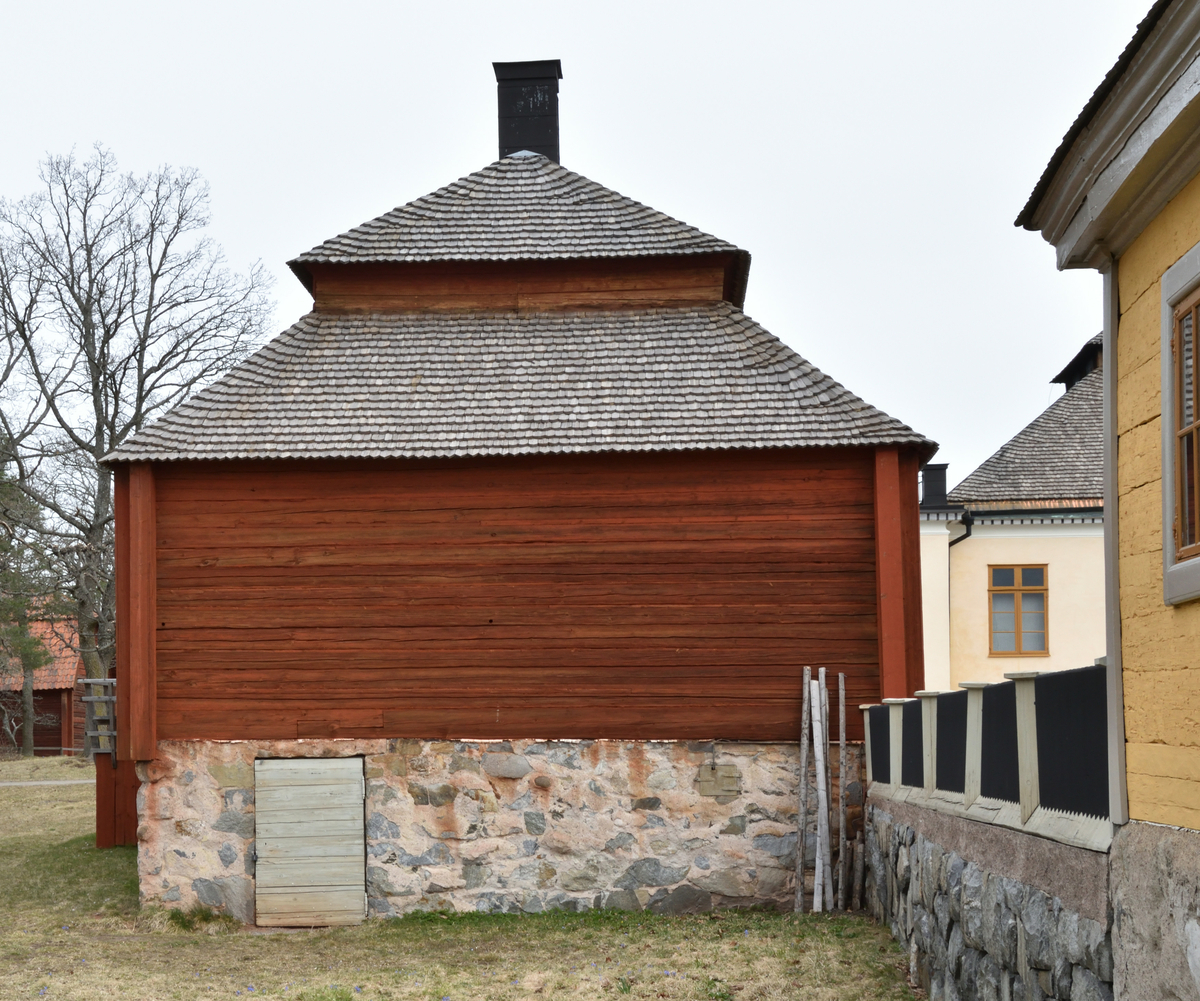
(815, 729)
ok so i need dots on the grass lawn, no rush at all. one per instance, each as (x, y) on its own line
(71, 929)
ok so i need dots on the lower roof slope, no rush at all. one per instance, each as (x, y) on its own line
(458, 384)
(1058, 457)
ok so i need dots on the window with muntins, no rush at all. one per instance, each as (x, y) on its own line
(1187, 429)
(1017, 609)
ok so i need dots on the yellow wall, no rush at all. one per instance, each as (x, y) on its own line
(1160, 643)
(1074, 555)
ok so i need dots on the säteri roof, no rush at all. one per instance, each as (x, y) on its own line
(465, 384)
(524, 207)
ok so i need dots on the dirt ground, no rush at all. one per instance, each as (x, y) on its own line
(71, 928)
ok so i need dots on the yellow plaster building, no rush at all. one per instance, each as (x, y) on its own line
(1122, 195)
(1012, 560)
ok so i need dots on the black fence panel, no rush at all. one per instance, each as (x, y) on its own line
(912, 745)
(998, 777)
(881, 743)
(1072, 738)
(952, 741)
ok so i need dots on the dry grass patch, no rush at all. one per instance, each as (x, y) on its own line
(14, 769)
(72, 930)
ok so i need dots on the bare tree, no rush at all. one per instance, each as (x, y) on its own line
(13, 713)
(114, 308)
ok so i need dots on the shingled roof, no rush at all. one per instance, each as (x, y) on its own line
(458, 384)
(1058, 458)
(523, 207)
(61, 672)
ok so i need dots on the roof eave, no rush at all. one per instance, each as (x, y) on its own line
(1136, 144)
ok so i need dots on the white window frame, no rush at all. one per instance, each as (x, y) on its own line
(1181, 580)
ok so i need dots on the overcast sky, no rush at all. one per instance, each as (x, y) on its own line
(871, 155)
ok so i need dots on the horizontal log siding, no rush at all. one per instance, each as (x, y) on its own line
(656, 596)
(604, 283)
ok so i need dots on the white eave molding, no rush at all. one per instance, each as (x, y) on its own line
(1137, 153)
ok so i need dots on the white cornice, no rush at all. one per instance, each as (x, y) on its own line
(1138, 151)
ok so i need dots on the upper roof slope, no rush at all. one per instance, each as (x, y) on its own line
(518, 208)
(1057, 457)
(459, 384)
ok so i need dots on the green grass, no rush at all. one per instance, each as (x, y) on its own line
(72, 929)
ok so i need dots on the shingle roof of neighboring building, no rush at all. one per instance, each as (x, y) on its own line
(1058, 457)
(518, 208)
(458, 384)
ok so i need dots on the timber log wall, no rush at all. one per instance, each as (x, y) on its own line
(664, 596)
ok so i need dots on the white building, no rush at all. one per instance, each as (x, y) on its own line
(1012, 559)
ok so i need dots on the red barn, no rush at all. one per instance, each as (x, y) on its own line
(57, 700)
(525, 508)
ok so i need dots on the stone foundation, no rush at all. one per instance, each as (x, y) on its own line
(528, 826)
(989, 913)
(1155, 881)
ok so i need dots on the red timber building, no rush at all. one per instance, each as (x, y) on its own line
(525, 473)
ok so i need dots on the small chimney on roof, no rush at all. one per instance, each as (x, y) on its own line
(933, 485)
(527, 98)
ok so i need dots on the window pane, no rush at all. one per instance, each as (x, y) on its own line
(1004, 642)
(1004, 623)
(1033, 642)
(1187, 486)
(1003, 577)
(1033, 577)
(1186, 389)
(1033, 603)
(1034, 621)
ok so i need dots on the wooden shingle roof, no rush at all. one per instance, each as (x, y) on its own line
(519, 208)
(1058, 457)
(460, 384)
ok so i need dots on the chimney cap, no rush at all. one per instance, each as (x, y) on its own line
(535, 69)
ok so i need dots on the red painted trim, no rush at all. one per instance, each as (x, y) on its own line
(889, 578)
(106, 809)
(910, 537)
(121, 569)
(139, 720)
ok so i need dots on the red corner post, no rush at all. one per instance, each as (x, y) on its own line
(136, 572)
(898, 573)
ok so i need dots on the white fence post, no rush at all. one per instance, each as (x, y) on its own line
(974, 766)
(929, 737)
(896, 733)
(1027, 753)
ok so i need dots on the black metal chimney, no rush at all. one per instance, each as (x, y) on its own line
(527, 96)
(933, 485)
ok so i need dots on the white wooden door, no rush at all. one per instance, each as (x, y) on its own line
(310, 841)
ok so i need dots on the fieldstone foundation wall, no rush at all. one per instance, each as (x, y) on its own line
(1155, 881)
(988, 913)
(513, 826)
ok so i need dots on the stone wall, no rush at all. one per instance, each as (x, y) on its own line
(513, 826)
(988, 913)
(1155, 880)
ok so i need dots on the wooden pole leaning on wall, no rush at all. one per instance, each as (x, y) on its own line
(822, 799)
(802, 834)
(843, 860)
(1027, 751)
(827, 858)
